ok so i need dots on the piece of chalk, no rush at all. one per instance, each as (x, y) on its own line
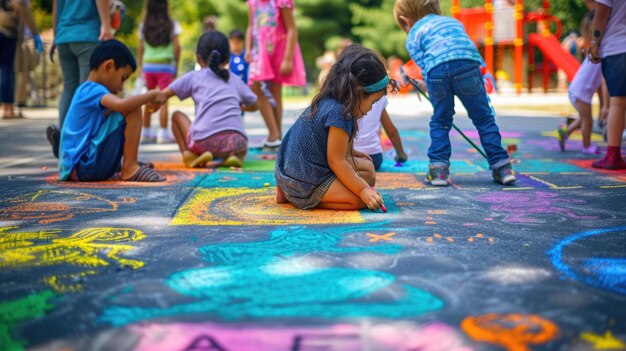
(266, 185)
(382, 207)
(45, 168)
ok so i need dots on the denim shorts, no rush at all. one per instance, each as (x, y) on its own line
(614, 71)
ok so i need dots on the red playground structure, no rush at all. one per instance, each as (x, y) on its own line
(504, 24)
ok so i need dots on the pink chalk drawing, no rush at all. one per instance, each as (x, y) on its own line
(531, 207)
(344, 337)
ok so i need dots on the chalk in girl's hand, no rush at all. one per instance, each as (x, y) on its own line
(382, 207)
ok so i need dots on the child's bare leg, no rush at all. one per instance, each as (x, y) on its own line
(147, 116)
(617, 109)
(266, 111)
(338, 197)
(365, 169)
(180, 128)
(277, 92)
(280, 196)
(132, 135)
(163, 114)
(572, 127)
(586, 122)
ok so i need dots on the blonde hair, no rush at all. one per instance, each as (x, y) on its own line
(415, 10)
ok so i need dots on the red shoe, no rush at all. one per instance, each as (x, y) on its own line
(612, 160)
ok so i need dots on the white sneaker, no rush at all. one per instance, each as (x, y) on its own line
(164, 137)
(271, 144)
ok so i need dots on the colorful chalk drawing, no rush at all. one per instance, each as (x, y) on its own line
(343, 337)
(421, 166)
(226, 179)
(478, 238)
(25, 309)
(172, 177)
(514, 332)
(535, 207)
(606, 341)
(84, 251)
(50, 206)
(245, 206)
(605, 270)
(389, 181)
(281, 278)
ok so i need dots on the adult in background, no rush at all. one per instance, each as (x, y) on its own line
(11, 12)
(78, 26)
(608, 46)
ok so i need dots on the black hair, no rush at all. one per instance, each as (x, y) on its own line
(5, 5)
(157, 26)
(237, 34)
(356, 68)
(214, 49)
(115, 50)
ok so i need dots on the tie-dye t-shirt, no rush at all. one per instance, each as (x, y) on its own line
(434, 40)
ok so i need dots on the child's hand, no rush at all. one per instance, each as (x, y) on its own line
(401, 157)
(371, 198)
(159, 97)
(247, 56)
(286, 67)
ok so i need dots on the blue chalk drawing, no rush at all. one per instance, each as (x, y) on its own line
(601, 272)
(279, 278)
(236, 180)
(551, 166)
(421, 166)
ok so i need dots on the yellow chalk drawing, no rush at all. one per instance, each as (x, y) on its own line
(603, 342)
(244, 206)
(88, 249)
(49, 206)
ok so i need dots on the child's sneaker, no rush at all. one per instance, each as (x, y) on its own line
(147, 135)
(504, 175)
(561, 136)
(438, 175)
(53, 134)
(164, 136)
(591, 150)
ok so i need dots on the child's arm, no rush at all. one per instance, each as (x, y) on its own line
(338, 142)
(394, 136)
(286, 66)
(132, 103)
(248, 55)
(250, 108)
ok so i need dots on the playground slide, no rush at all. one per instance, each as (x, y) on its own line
(551, 47)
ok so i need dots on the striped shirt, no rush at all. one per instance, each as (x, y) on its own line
(434, 40)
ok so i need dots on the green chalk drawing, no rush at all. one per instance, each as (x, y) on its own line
(14, 312)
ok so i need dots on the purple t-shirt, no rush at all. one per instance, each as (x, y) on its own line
(614, 40)
(217, 102)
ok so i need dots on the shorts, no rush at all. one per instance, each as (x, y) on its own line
(221, 145)
(315, 198)
(614, 71)
(586, 82)
(104, 154)
(377, 159)
(158, 75)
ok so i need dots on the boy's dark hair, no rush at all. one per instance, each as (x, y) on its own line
(237, 34)
(214, 49)
(157, 26)
(356, 68)
(112, 50)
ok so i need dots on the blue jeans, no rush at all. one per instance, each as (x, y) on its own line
(74, 59)
(463, 79)
(7, 66)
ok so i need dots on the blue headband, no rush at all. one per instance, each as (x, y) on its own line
(382, 84)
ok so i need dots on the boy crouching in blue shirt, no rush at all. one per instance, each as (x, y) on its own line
(451, 64)
(100, 127)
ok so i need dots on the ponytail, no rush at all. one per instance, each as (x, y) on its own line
(213, 48)
(215, 58)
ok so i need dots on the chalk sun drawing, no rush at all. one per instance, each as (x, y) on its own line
(267, 279)
(50, 206)
(537, 207)
(84, 251)
(14, 312)
(244, 206)
(607, 270)
(514, 332)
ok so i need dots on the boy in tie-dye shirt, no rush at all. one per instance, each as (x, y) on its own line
(450, 63)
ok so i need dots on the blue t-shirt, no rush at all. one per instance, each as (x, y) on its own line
(434, 40)
(82, 123)
(238, 66)
(78, 21)
(301, 163)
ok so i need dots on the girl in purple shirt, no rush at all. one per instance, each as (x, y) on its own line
(217, 131)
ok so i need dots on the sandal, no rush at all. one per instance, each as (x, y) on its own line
(233, 161)
(192, 160)
(146, 175)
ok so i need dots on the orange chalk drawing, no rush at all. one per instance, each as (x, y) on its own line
(390, 181)
(375, 237)
(85, 251)
(171, 177)
(453, 239)
(514, 332)
(50, 206)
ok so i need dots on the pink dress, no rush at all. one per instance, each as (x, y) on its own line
(269, 41)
